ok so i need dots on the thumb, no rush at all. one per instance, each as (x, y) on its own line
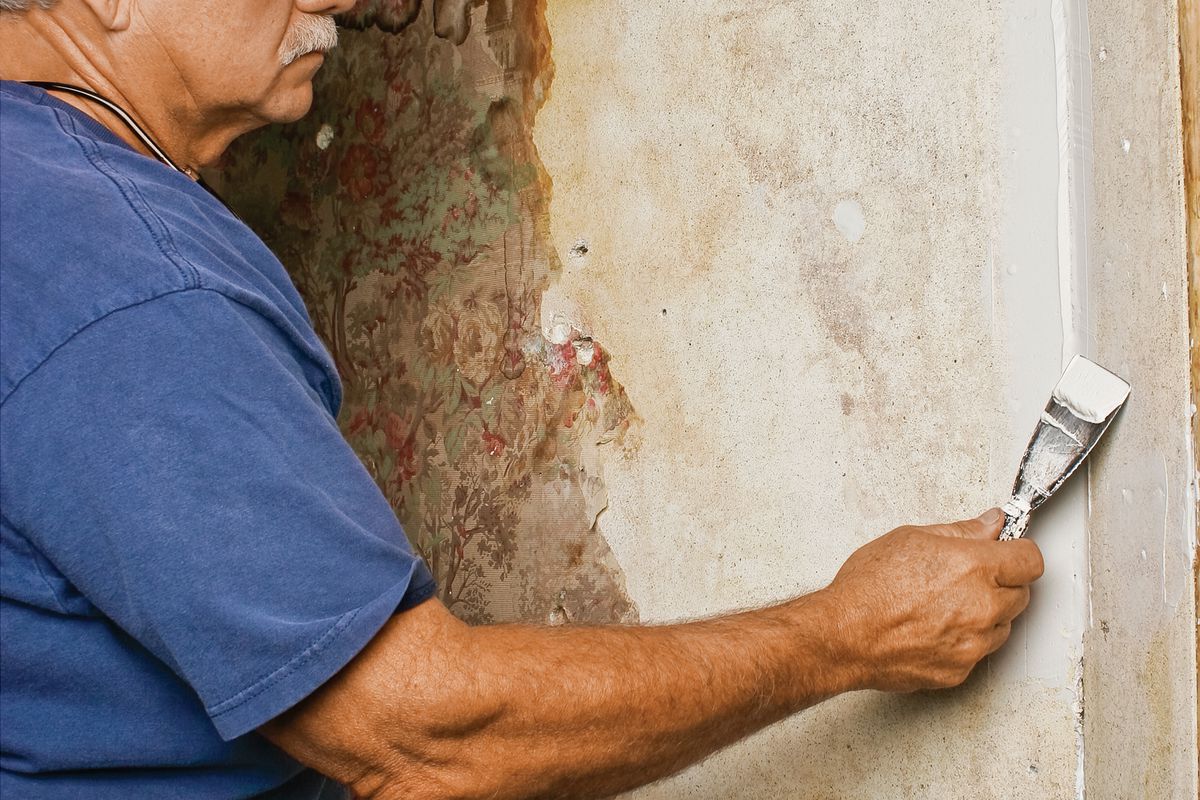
(986, 526)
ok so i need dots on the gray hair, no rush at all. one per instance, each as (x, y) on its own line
(20, 6)
(308, 34)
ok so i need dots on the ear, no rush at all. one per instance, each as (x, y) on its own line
(114, 15)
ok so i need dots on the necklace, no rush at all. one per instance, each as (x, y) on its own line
(120, 113)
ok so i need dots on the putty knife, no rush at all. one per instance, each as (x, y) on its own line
(1084, 402)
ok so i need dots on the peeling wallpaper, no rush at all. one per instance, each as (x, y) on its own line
(409, 207)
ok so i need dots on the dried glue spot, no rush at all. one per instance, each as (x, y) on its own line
(1125, 145)
(849, 219)
(324, 136)
(560, 330)
(585, 351)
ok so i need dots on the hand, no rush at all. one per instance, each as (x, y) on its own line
(919, 607)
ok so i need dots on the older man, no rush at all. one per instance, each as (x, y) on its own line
(203, 591)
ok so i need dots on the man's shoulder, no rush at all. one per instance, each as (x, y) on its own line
(89, 227)
(73, 247)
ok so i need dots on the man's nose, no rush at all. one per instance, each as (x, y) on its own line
(325, 7)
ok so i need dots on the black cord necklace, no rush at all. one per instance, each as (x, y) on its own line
(120, 113)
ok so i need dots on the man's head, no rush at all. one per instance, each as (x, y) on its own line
(193, 64)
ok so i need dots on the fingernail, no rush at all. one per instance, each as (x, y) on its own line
(991, 516)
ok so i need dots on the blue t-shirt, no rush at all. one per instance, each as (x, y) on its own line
(189, 546)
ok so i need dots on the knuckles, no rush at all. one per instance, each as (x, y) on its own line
(935, 602)
(1036, 561)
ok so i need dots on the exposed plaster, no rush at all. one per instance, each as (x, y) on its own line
(793, 287)
(1140, 667)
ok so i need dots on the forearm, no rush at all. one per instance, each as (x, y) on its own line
(434, 709)
(586, 712)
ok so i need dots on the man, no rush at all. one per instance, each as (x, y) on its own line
(202, 589)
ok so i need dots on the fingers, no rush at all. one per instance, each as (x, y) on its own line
(1011, 602)
(998, 637)
(1019, 563)
(986, 526)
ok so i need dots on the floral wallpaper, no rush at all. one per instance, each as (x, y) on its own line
(410, 208)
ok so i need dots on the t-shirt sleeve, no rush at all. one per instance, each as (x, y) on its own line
(176, 463)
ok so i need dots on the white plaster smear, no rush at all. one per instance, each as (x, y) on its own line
(1072, 49)
(849, 219)
(1089, 391)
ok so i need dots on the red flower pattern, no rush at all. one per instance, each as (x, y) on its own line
(357, 171)
(370, 121)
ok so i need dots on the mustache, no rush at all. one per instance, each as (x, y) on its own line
(308, 34)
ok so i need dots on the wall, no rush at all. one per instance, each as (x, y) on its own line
(667, 319)
(823, 246)
(1141, 646)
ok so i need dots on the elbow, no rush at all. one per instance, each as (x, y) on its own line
(408, 780)
(454, 755)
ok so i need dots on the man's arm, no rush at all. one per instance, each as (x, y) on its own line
(433, 708)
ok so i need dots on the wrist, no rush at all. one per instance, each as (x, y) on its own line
(835, 637)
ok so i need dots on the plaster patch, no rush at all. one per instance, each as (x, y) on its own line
(324, 137)
(1074, 90)
(849, 218)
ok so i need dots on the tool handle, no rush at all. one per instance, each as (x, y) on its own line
(1016, 520)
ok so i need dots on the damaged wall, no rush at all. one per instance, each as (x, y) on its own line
(800, 254)
(840, 254)
(834, 257)
(409, 207)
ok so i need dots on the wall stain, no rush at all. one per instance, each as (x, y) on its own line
(411, 209)
(1156, 677)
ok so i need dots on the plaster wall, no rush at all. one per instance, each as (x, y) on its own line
(1140, 644)
(840, 254)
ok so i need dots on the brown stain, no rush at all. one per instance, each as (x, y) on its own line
(1158, 681)
(574, 553)
(835, 292)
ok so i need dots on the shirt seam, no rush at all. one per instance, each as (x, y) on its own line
(129, 192)
(43, 98)
(160, 233)
(265, 681)
(74, 334)
(269, 679)
(422, 592)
